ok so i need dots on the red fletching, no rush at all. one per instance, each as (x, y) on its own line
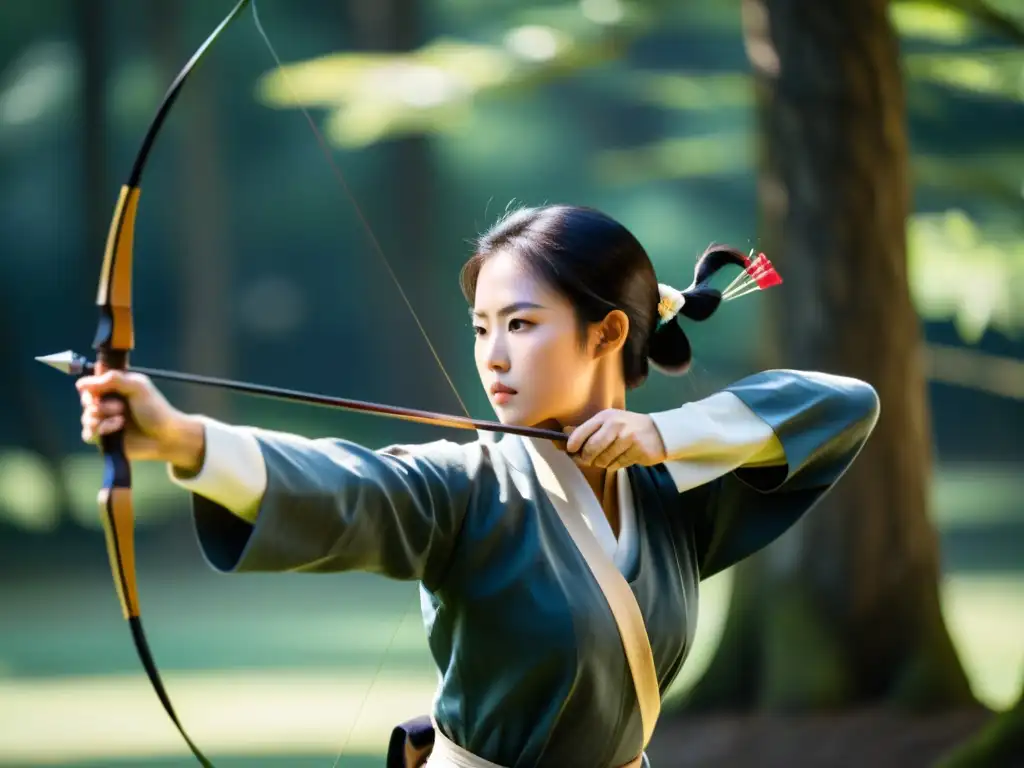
(763, 272)
(768, 279)
(757, 264)
(758, 275)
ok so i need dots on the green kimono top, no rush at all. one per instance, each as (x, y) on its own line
(531, 665)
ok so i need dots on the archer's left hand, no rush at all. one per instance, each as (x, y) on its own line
(613, 439)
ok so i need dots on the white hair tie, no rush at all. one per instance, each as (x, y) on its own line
(671, 302)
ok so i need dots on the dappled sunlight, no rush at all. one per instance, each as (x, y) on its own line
(993, 73)
(714, 604)
(706, 92)
(254, 262)
(929, 21)
(374, 95)
(433, 90)
(985, 617)
(272, 710)
(248, 712)
(28, 491)
(961, 273)
(150, 485)
(685, 157)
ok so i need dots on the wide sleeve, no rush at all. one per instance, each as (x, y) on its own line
(270, 501)
(817, 424)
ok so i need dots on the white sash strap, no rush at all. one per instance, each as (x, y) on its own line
(618, 593)
(448, 754)
(627, 614)
(565, 487)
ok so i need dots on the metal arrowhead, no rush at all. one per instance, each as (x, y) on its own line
(68, 362)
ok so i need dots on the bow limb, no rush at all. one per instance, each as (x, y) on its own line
(114, 341)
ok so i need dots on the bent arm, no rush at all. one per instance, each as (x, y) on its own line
(778, 440)
(270, 501)
(714, 436)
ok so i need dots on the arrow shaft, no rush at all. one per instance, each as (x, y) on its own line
(342, 403)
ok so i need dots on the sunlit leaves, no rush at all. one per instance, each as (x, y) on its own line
(712, 154)
(931, 21)
(376, 94)
(998, 74)
(965, 274)
(443, 87)
(994, 177)
(373, 96)
(692, 91)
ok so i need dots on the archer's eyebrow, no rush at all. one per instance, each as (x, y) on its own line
(519, 306)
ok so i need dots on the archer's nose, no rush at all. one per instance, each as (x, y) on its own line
(497, 357)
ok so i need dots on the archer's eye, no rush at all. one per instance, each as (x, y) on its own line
(517, 323)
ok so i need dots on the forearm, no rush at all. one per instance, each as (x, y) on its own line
(185, 449)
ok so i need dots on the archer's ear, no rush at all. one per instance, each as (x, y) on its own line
(611, 333)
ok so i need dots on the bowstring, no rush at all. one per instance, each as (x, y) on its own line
(379, 250)
(371, 235)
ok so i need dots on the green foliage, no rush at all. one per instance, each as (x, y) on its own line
(995, 74)
(935, 22)
(448, 86)
(963, 272)
(375, 96)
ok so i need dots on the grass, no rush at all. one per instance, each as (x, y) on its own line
(270, 670)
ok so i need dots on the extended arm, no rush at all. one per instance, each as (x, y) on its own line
(269, 501)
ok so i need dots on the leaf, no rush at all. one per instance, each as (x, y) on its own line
(936, 22)
(964, 273)
(995, 176)
(691, 91)
(434, 89)
(686, 157)
(992, 73)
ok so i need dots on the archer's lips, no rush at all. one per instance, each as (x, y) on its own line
(500, 393)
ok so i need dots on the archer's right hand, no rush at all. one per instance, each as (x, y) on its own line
(154, 430)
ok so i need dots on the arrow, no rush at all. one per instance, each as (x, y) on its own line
(73, 364)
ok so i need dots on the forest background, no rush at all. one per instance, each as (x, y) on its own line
(873, 149)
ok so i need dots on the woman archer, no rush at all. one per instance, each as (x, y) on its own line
(559, 583)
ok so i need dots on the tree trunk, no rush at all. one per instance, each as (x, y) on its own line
(98, 196)
(409, 203)
(200, 229)
(1000, 743)
(845, 609)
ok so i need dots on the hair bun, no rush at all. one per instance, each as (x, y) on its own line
(670, 350)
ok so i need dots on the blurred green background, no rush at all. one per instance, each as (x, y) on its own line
(252, 263)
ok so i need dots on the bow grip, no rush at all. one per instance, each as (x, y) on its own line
(115, 497)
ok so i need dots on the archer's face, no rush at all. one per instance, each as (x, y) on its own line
(527, 341)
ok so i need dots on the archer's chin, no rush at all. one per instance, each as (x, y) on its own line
(510, 415)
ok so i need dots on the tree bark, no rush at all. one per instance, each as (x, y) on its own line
(409, 203)
(844, 610)
(200, 230)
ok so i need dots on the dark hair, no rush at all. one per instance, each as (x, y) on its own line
(600, 266)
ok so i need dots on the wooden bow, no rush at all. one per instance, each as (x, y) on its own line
(114, 341)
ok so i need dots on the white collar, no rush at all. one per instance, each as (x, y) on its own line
(566, 486)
